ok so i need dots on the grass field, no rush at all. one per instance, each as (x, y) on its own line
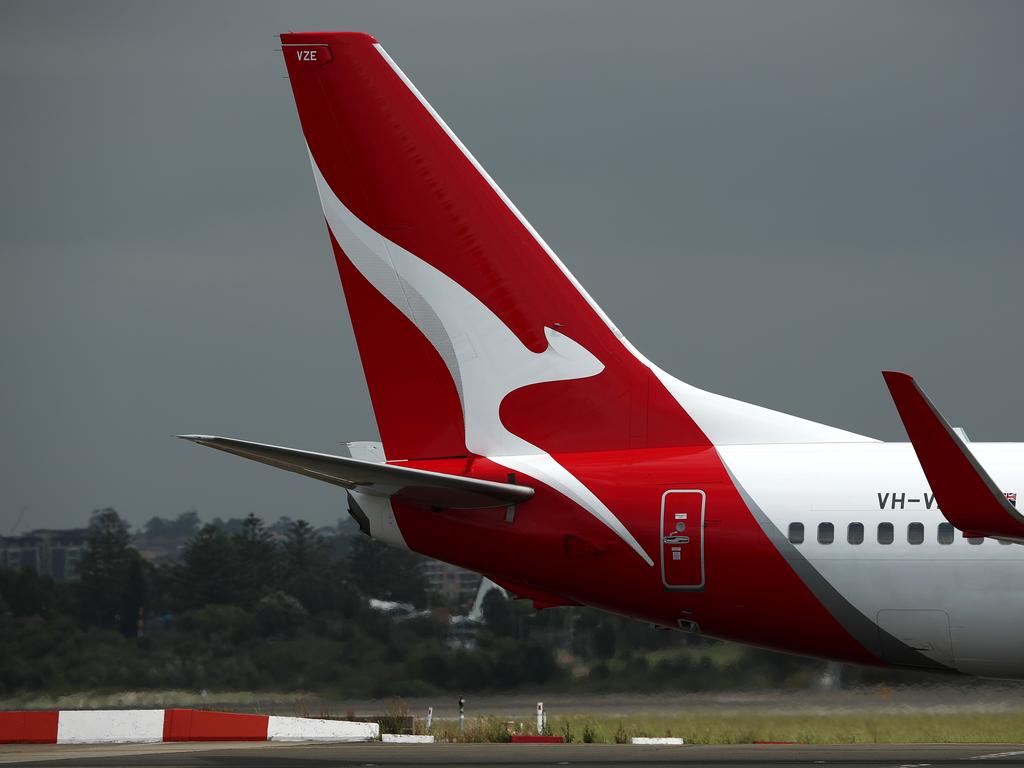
(993, 714)
(744, 728)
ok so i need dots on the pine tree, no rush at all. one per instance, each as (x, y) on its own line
(258, 559)
(104, 568)
(134, 595)
(209, 572)
(307, 571)
(305, 551)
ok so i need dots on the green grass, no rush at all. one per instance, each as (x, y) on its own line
(719, 656)
(242, 701)
(744, 728)
(874, 726)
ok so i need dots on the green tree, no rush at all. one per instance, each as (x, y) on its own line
(209, 572)
(26, 593)
(279, 613)
(156, 528)
(307, 570)
(499, 616)
(105, 570)
(304, 550)
(257, 557)
(387, 573)
(185, 526)
(604, 640)
(134, 595)
(231, 526)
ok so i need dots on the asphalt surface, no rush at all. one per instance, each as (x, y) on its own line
(265, 755)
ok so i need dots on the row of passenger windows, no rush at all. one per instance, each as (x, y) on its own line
(886, 533)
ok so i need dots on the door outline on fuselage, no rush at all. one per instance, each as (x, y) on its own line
(925, 630)
(663, 544)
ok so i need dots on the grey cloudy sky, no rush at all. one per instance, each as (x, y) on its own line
(774, 200)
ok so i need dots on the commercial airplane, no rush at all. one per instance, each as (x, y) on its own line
(523, 437)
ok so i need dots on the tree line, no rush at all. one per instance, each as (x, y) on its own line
(248, 606)
(241, 568)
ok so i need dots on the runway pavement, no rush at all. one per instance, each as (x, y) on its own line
(264, 755)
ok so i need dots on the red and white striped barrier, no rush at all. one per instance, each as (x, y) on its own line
(154, 725)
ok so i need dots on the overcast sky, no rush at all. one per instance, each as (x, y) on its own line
(773, 200)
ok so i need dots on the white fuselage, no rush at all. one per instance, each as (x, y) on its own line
(960, 603)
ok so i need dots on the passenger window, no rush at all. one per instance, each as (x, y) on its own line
(826, 533)
(855, 533)
(945, 533)
(915, 533)
(885, 533)
(796, 533)
(975, 539)
(1004, 541)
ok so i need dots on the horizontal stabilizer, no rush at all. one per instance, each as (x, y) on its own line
(966, 495)
(415, 486)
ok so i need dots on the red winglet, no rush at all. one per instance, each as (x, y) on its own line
(967, 496)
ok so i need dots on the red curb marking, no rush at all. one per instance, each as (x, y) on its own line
(28, 727)
(197, 725)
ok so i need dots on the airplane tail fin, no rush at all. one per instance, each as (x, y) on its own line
(458, 305)
(474, 337)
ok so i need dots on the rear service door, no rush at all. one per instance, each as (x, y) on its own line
(682, 539)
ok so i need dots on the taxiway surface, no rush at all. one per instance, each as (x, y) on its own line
(262, 755)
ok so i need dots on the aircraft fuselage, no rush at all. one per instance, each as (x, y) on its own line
(833, 550)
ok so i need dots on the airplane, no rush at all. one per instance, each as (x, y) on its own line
(524, 437)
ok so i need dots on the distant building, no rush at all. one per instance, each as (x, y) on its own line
(455, 586)
(49, 552)
(159, 551)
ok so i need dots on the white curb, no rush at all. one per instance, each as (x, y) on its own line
(311, 729)
(666, 740)
(404, 738)
(107, 726)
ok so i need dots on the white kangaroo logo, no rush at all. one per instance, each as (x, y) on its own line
(486, 359)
